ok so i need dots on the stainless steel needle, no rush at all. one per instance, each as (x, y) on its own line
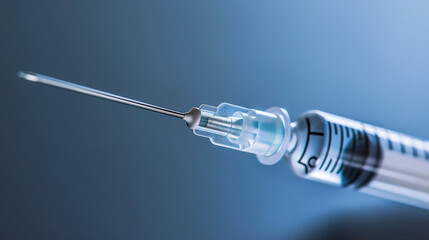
(192, 117)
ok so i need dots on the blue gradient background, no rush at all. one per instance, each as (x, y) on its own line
(76, 167)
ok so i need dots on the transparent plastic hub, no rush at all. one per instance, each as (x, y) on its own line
(264, 133)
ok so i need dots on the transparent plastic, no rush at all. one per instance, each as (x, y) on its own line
(356, 155)
(262, 133)
(326, 148)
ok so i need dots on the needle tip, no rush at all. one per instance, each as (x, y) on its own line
(28, 76)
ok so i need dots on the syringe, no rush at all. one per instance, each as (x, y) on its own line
(318, 145)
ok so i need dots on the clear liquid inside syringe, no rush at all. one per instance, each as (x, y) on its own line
(370, 159)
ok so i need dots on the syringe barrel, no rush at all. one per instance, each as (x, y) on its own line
(352, 154)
